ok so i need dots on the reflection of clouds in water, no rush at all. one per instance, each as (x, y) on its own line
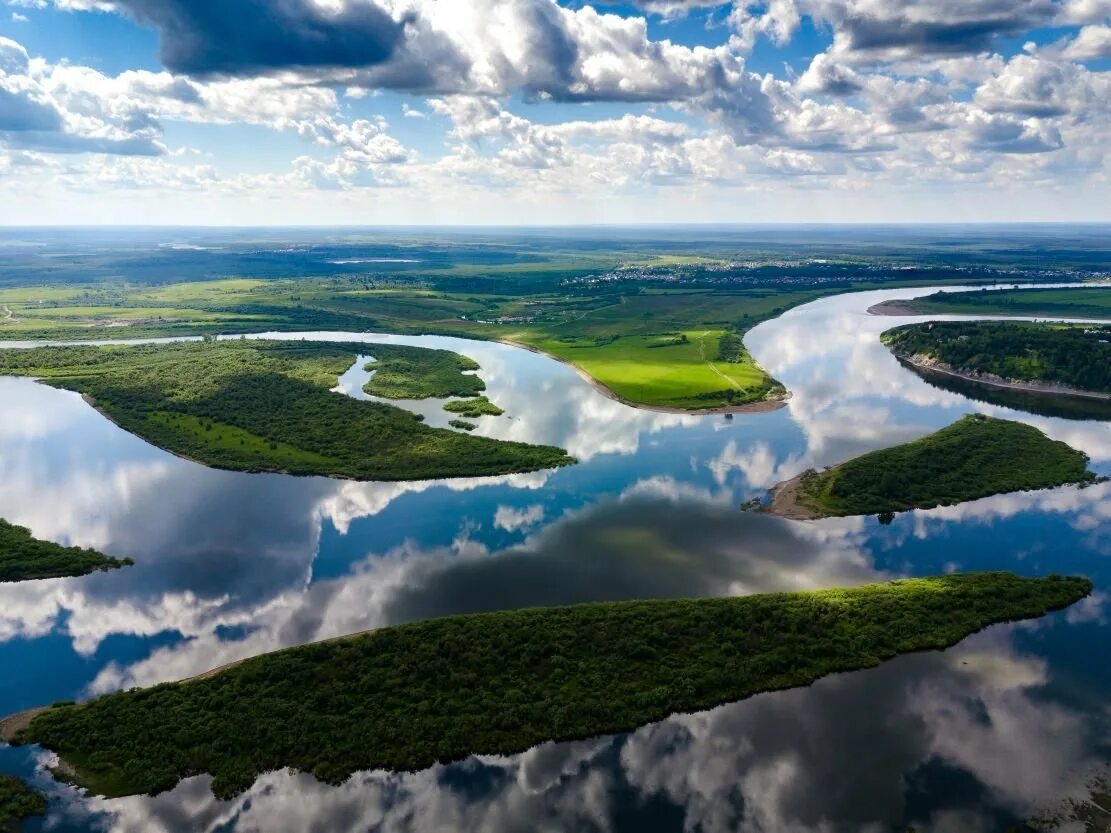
(512, 519)
(775, 762)
(1089, 510)
(850, 394)
(546, 402)
(351, 500)
(641, 546)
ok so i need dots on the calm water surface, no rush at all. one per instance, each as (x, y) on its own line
(229, 565)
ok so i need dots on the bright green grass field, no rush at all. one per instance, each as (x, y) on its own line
(675, 375)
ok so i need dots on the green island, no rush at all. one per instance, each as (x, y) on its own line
(420, 373)
(473, 408)
(975, 457)
(260, 406)
(1061, 302)
(18, 802)
(1053, 358)
(24, 557)
(462, 424)
(405, 697)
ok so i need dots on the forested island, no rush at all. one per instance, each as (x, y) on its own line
(254, 405)
(975, 457)
(18, 802)
(1051, 358)
(420, 373)
(24, 557)
(405, 697)
(1091, 301)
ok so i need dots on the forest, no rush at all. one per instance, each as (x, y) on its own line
(18, 802)
(405, 697)
(420, 373)
(253, 405)
(975, 457)
(1077, 356)
(24, 557)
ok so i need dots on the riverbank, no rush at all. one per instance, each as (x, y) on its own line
(929, 365)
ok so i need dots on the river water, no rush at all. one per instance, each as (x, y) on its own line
(228, 565)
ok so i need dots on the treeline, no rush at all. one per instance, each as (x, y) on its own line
(975, 457)
(1078, 356)
(406, 697)
(24, 557)
(267, 406)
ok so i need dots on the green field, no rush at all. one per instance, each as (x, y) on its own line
(268, 406)
(18, 802)
(653, 370)
(975, 457)
(405, 697)
(1087, 302)
(23, 557)
(1076, 356)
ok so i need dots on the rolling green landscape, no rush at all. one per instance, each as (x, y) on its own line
(24, 557)
(1076, 356)
(18, 802)
(1093, 301)
(268, 406)
(406, 697)
(975, 457)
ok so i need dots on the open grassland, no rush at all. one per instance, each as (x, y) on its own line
(23, 557)
(406, 697)
(975, 457)
(267, 406)
(1077, 357)
(1081, 302)
(18, 802)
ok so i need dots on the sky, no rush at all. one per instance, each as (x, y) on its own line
(295, 112)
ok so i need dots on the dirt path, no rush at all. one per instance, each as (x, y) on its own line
(702, 353)
(8, 314)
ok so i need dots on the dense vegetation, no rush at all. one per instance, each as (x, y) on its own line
(473, 408)
(1064, 302)
(267, 406)
(462, 424)
(405, 697)
(23, 557)
(418, 373)
(1075, 356)
(18, 802)
(975, 457)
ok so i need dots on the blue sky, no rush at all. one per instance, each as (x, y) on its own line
(536, 111)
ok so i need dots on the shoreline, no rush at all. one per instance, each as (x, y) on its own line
(758, 406)
(1003, 384)
(908, 307)
(785, 502)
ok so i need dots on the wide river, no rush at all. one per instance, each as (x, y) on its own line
(1009, 722)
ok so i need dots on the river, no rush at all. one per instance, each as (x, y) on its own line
(228, 565)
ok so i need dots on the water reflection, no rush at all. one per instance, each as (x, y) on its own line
(229, 565)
